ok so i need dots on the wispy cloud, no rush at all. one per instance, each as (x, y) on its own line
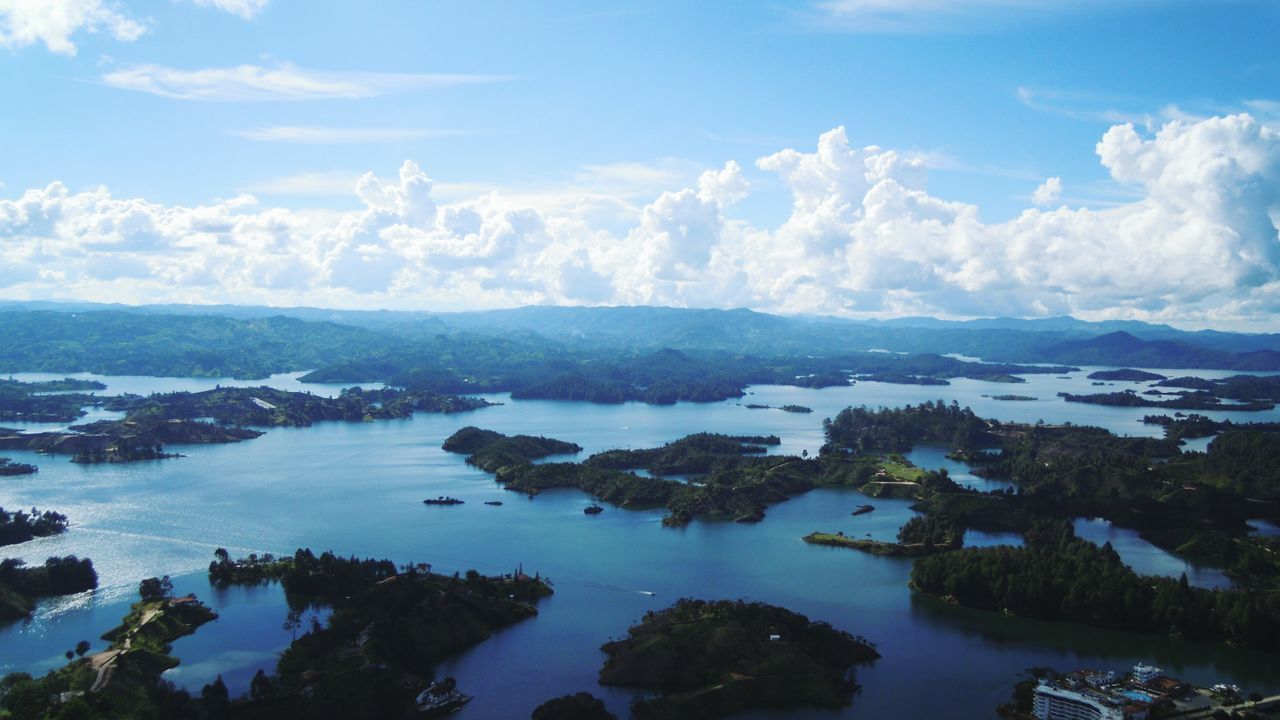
(246, 9)
(246, 83)
(1079, 106)
(316, 184)
(336, 135)
(941, 161)
(927, 16)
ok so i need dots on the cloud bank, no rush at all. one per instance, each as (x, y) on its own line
(864, 237)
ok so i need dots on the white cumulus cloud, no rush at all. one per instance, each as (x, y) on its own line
(54, 22)
(1048, 192)
(246, 9)
(864, 236)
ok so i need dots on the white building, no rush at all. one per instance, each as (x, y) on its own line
(1146, 673)
(1055, 703)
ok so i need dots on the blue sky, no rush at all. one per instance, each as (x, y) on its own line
(184, 104)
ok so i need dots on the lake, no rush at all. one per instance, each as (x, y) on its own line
(356, 488)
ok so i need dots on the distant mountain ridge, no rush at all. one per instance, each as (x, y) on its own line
(359, 336)
(1122, 348)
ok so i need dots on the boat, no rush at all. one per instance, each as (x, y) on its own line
(440, 699)
(492, 502)
(442, 500)
(593, 509)
(863, 510)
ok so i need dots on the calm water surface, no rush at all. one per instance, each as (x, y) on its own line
(357, 489)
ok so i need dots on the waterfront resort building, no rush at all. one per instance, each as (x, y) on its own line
(1052, 702)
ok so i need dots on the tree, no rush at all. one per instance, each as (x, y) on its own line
(215, 694)
(293, 621)
(82, 647)
(260, 687)
(155, 588)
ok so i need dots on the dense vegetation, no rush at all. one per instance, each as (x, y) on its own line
(123, 681)
(32, 401)
(1125, 375)
(1196, 400)
(390, 627)
(21, 586)
(491, 451)
(506, 350)
(269, 407)
(9, 468)
(735, 480)
(710, 659)
(1078, 581)
(863, 430)
(1195, 504)
(693, 454)
(111, 342)
(183, 418)
(19, 526)
(579, 706)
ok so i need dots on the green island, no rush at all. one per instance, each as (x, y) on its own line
(919, 536)
(1074, 580)
(800, 409)
(390, 627)
(711, 659)
(46, 401)
(735, 478)
(1196, 400)
(1193, 504)
(1012, 398)
(491, 451)
(8, 468)
(579, 706)
(1126, 375)
(21, 586)
(221, 416)
(388, 630)
(20, 526)
(123, 681)
(1245, 393)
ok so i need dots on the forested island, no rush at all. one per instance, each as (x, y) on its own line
(736, 479)
(20, 526)
(1076, 581)
(124, 680)
(711, 659)
(390, 627)
(1126, 375)
(46, 401)
(1195, 504)
(22, 586)
(9, 468)
(222, 415)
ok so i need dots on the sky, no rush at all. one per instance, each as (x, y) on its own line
(863, 158)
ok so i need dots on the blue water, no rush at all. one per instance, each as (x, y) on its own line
(1145, 557)
(357, 489)
(934, 457)
(1265, 528)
